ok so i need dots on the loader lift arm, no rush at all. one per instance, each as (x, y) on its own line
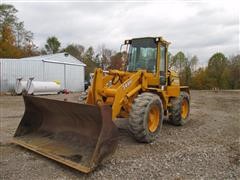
(121, 95)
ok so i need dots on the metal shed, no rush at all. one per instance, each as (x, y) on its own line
(61, 67)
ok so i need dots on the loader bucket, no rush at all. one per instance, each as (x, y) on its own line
(77, 135)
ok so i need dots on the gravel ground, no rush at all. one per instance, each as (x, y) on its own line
(207, 147)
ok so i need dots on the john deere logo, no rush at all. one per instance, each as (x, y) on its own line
(127, 84)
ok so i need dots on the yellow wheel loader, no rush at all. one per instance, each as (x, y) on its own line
(82, 135)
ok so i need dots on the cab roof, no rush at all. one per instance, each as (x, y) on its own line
(158, 38)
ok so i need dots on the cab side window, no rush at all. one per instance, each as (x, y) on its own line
(162, 60)
(162, 65)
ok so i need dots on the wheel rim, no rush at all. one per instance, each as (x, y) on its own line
(153, 119)
(185, 109)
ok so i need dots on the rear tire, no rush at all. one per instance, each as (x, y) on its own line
(179, 110)
(146, 117)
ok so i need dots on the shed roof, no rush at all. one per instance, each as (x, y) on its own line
(63, 58)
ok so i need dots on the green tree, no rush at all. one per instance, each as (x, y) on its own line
(217, 65)
(7, 15)
(43, 51)
(199, 79)
(179, 61)
(89, 54)
(104, 57)
(225, 78)
(116, 61)
(75, 50)
(184, 66)
(186, 74)
(193, 63)
(52, 46)
(20, 43)
(234, 72)
(88, 59)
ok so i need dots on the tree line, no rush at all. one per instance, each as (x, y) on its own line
(16, 42)
(220, 73)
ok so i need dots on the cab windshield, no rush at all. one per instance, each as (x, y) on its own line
(142, 55)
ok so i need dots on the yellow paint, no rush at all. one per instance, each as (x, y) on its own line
(185, 109)
(119, 88)
(57, 82)
(153, 118)
(173, 91)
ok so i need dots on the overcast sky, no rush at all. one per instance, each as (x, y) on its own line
(194, 27)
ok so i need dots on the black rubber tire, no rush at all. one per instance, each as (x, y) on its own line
(138, 117)
(175, 117)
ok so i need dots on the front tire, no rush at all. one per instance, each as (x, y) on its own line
(146, 117)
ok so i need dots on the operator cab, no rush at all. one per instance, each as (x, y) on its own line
(150, 54)
(142, 55)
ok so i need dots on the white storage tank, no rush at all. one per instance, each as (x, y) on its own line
(20, 86)
(43, 87)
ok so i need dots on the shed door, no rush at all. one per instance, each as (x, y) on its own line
(54, 72)
(75, 78)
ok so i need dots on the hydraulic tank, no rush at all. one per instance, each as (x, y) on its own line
(43, 87)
